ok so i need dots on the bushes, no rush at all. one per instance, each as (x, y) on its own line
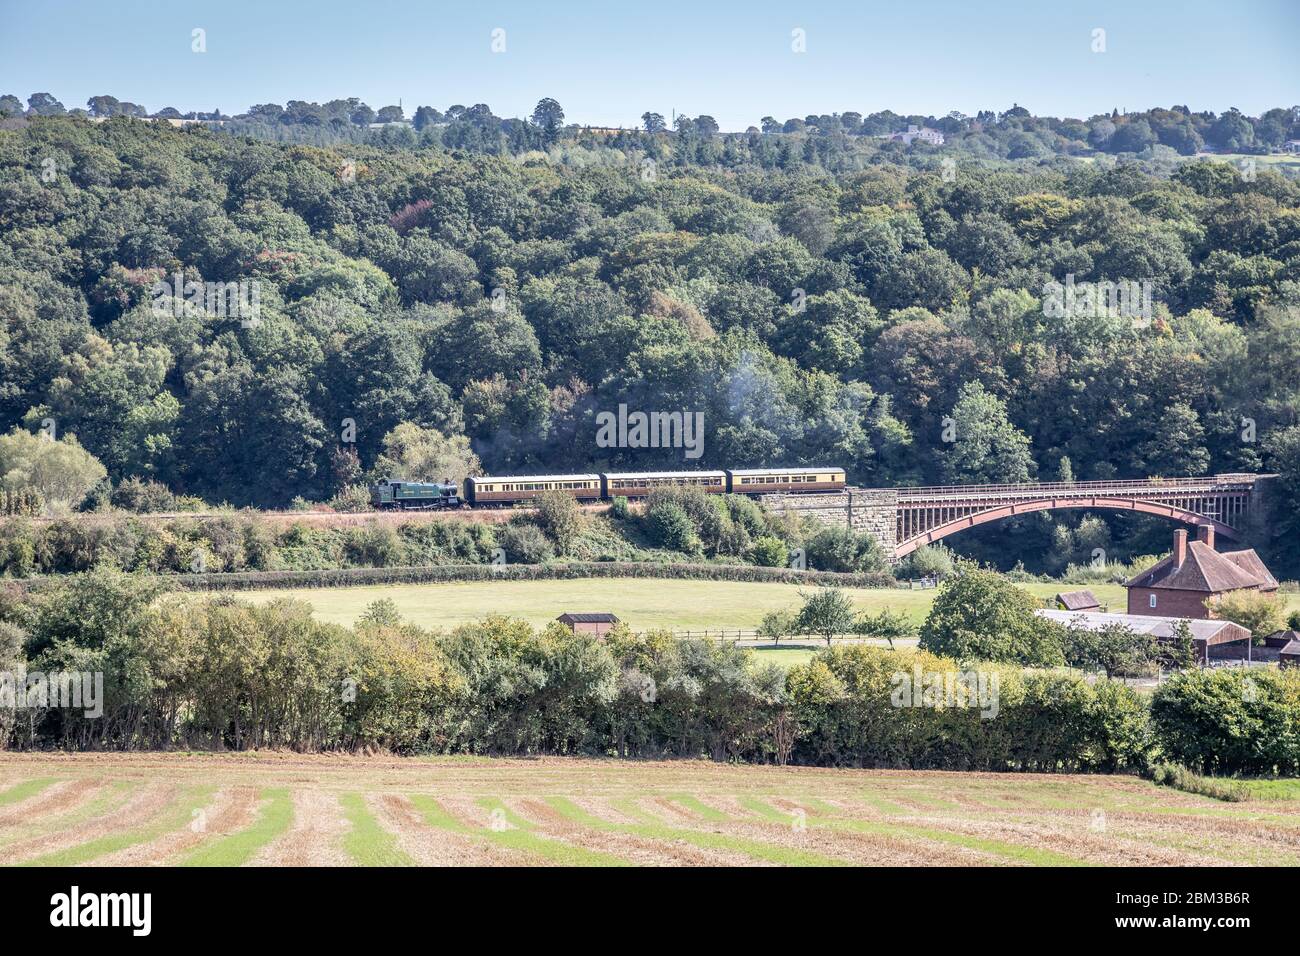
(190, 672)
(524, 542)
(672, 528)
(844, 550)
(1231, 721)
(1180, 778)
(769, 552)
(135, 494)
(851, 712)
(559, 516)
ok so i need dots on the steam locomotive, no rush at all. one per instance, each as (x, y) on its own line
(484, 492)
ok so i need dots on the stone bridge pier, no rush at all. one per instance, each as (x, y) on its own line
(870, 510)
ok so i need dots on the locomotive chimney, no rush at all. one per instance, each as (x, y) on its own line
(1205, 534)
(1180, 547)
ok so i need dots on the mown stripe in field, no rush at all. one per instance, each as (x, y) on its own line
(653, 829)
(175, 814)
(368, 843)
(108, 799)
(517, 840)
(522, 837)
(237, 848)
(25, 788)
(701, 809)
(998, 848)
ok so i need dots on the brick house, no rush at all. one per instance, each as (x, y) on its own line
(1180, 585)
(598, 623)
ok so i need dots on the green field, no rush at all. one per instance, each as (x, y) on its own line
(281, 809)
(644, 603)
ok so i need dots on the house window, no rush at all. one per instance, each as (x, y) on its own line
(1153, 600)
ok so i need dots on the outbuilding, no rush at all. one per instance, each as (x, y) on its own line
(1078, 601)
(583, 622)
(1289, 656)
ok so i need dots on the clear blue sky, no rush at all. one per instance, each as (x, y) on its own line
(607, 62)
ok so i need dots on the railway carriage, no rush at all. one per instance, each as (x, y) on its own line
(628, 484)
(510, 489)
(773, 481)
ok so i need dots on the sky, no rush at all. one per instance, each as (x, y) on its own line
(608, 62)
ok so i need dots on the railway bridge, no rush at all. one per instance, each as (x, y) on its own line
(904, 519)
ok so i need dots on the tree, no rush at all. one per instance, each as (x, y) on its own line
(1115, 649)
(390, 114)
(549, 115)
(426, 116)
(653, 122)
(886, 623)
(984, 445)
(43, 104)
(61, 470)
(778, 624)
(414, 453)
(10, 105)
(706, 125)
(980, 615)
(104, 106)
(1261, 614)
(826, 612)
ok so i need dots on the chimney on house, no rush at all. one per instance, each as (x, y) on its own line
(1205, 534)
(1180, 547)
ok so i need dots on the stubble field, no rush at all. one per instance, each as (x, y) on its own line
(273, 809)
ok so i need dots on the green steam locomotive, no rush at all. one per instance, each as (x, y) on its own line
(414, 495)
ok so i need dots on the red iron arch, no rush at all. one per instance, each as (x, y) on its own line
(939, 532)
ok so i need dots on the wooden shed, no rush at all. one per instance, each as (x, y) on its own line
(597, 622)
(1078, 601)
(1289, 656)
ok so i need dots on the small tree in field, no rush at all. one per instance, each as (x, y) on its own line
(778, 624)
(826, 612)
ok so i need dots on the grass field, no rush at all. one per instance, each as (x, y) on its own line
(272, 809)
(644, 603)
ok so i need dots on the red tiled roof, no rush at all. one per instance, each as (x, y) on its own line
(1206, 570)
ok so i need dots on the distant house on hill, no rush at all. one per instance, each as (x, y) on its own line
(598, 623)
(924, 133)
(1078, 601)
(1182, 583)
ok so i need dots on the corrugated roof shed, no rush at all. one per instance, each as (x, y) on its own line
(583, 617)
(1212, 631)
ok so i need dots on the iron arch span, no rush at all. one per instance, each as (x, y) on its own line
(941, 531)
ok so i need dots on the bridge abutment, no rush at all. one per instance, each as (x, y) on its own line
(873, 511)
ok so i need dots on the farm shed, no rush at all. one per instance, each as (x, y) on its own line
(1206, 634)
(1078, 601)
(1289, 656)
(598, 623)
